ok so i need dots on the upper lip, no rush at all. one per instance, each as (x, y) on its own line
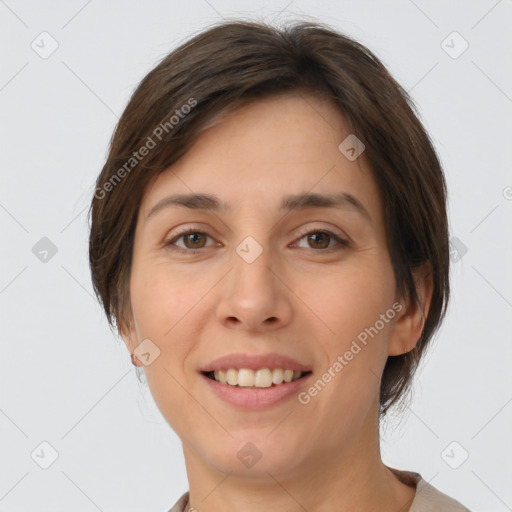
(255, 362)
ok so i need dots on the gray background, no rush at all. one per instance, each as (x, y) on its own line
(67, 381)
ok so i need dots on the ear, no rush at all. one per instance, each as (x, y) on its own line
(128, 333)
(410, 320)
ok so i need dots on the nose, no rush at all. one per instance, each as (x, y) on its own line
(254, 296)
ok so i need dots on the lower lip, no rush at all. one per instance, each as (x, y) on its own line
(256, 398)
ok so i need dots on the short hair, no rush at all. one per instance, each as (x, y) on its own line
(232, 63)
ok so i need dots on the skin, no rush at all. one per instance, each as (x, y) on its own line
(196, 307)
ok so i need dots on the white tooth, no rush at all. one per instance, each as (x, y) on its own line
(277, 376)
(263, 378)
(245, 377)
(288, 375)
(232, 377)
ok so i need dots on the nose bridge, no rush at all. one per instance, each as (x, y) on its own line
(253, 295)
(252, 254)
(253, 278)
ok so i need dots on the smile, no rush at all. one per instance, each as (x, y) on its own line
(248, 378)
(252, 397)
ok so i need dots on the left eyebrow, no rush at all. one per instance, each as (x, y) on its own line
(312, 200)
(289, 203)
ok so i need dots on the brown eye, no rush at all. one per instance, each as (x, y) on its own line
(319, 240)
(194, 240)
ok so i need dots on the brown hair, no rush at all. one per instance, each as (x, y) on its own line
(238, 61)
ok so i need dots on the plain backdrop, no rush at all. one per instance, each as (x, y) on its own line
(78, 430)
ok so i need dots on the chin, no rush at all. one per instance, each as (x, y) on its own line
(253, 457)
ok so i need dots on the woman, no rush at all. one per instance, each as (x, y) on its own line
(269, 236)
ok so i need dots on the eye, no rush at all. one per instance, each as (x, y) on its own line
(321, 239)
(192, 239)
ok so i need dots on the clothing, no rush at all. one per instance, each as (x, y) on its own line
(427, 498)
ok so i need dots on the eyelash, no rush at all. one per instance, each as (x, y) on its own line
(341, 241)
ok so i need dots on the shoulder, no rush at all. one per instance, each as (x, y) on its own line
(428, 498)
(180, 505)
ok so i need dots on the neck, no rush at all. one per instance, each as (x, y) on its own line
(348, 476)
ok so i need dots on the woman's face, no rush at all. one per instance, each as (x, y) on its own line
(249, 281)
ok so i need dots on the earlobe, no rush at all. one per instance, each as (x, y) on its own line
(409, 323)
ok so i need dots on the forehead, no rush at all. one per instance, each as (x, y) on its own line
(269, 149)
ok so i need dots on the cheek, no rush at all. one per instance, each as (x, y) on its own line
(161, 304)
(159, 297)
(354, 335)
(345, 302)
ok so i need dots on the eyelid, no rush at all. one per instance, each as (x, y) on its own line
(185, 231)
(341, 238)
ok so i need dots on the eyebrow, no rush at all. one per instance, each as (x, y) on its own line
(290, 203)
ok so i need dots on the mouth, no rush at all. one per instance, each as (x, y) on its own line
(256, 379)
